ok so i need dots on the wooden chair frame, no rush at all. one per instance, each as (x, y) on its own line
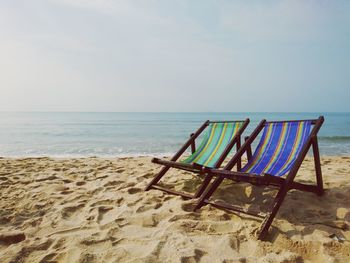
(196, 168)
(283, 184)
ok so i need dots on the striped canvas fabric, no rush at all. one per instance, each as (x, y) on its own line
(217, 137)
(278, 148)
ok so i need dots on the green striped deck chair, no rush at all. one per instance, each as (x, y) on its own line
(214, 143)
(275, 162)
(218, 140)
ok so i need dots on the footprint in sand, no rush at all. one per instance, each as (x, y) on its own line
(80, 183)
(96, 190)
(102, 203)
(49, 257)
(12, 238)
(3, 178)
(149, 221)
(134, 190)
(76, 230)
(188, 207)
(102, 177)
(113, 183)
(197, 255)
(102, 167)
(144, 208)
(69, 211)
(86, 257)
(147, 175)
(27, 250)
(49, 178)
(102, 210)
(66, 192)
(168, 197)
(67, 181)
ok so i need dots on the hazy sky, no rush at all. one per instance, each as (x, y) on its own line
(101, 55)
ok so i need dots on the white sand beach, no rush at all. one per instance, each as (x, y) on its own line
(95, 210)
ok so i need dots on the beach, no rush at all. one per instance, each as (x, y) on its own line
(96, 210)
(97, 95)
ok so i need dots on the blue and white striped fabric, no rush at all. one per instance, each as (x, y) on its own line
(278, 148)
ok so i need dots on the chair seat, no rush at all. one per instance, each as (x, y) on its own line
(214, 143)
(278, 148)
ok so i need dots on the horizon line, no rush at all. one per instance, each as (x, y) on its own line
(10, 111)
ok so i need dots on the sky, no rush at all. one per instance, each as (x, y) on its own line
(161, 56)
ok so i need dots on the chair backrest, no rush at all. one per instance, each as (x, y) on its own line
(214, 143)
(279, 147)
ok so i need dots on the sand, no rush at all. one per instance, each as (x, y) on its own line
(95, 210)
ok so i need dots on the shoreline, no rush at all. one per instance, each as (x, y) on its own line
(95, 209)
(160, 155)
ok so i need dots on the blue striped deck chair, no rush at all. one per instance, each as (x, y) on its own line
(219, 138)
(275, 162)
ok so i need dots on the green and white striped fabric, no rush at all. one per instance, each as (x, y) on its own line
(216, 139)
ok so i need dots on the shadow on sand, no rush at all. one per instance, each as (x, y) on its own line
(328, 213)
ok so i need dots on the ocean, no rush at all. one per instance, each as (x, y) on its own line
(72, 134)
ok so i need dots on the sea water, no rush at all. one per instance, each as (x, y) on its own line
(68, 134)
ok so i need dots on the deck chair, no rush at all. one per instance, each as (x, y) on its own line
(218, 141)
(281, 150)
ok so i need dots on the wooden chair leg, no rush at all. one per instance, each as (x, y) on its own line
(156, 179)
(203, 186)
(271, 215)
(201, 189)
(208, 192)
(249, 149)
(189, 142)
(239, 163)
(317, 162)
